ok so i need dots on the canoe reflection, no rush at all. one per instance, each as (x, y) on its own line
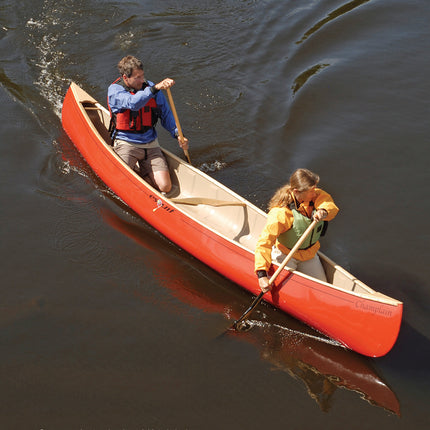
(322, 365)
(285, 343)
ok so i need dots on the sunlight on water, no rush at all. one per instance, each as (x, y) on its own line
(290, 332)
(49, 57)
(212, 167)
(335, 86)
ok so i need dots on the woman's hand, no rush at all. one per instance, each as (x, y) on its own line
(320, 214)
(264, 284)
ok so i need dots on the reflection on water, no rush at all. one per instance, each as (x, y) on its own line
(253, 91)
(348, 7)
(307, 74)
(322, 366)
(283, 342)
(292, 347)
(14, 89)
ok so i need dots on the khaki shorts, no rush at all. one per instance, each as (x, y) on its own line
(142, 158)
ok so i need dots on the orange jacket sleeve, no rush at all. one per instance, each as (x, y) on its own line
(278, 221)
(325, 201)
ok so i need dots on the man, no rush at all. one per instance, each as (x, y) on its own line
(136, 105)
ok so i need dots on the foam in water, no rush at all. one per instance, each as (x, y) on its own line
(47, 61)
(212, 167)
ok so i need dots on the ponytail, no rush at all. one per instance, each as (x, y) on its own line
(282, 198)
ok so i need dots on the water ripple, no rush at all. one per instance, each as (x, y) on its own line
(346, 8)
(307, 74)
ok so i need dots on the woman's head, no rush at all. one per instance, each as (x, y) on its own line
(303, 180)
(301, 187)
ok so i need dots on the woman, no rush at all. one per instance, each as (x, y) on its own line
(291, 211)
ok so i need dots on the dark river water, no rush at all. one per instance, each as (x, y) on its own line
(105, 324)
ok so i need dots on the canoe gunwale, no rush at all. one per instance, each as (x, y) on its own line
(177, 205)
(372, 294)
(389, 320)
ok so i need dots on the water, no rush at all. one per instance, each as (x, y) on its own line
(104, 323)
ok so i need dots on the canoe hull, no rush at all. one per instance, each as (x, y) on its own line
(366, 324)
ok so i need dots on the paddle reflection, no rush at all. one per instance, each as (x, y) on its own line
(285, 343)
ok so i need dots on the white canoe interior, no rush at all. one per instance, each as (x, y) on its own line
(216, 207)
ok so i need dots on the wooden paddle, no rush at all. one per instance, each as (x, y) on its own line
(258, 299)
(178, 125)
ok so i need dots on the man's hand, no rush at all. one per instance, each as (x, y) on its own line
(164, 84)
(183, 142)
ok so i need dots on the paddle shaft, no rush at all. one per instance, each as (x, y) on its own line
(258, 299)
(178, 125)
(293, 251)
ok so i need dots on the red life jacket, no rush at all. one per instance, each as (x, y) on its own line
(135, 121)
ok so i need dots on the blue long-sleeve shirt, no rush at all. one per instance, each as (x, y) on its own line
(120, 99)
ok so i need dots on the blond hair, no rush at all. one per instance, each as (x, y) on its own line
(301, 180)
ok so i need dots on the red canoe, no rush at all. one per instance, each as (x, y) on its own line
(220, 228)
(285, 343)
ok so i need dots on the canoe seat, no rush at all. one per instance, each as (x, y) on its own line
(339, 277)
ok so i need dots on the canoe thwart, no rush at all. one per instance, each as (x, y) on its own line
(206, 201)
(224, 238)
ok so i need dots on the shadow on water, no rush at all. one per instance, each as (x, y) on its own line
(409, 287)
(323, 367)
(410, 340)
(284, 343)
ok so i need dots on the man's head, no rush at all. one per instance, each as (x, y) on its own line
(131, 70)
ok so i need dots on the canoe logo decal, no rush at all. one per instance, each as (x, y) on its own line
(160, 204)
(382, 310)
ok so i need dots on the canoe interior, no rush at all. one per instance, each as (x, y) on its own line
(239, 221)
